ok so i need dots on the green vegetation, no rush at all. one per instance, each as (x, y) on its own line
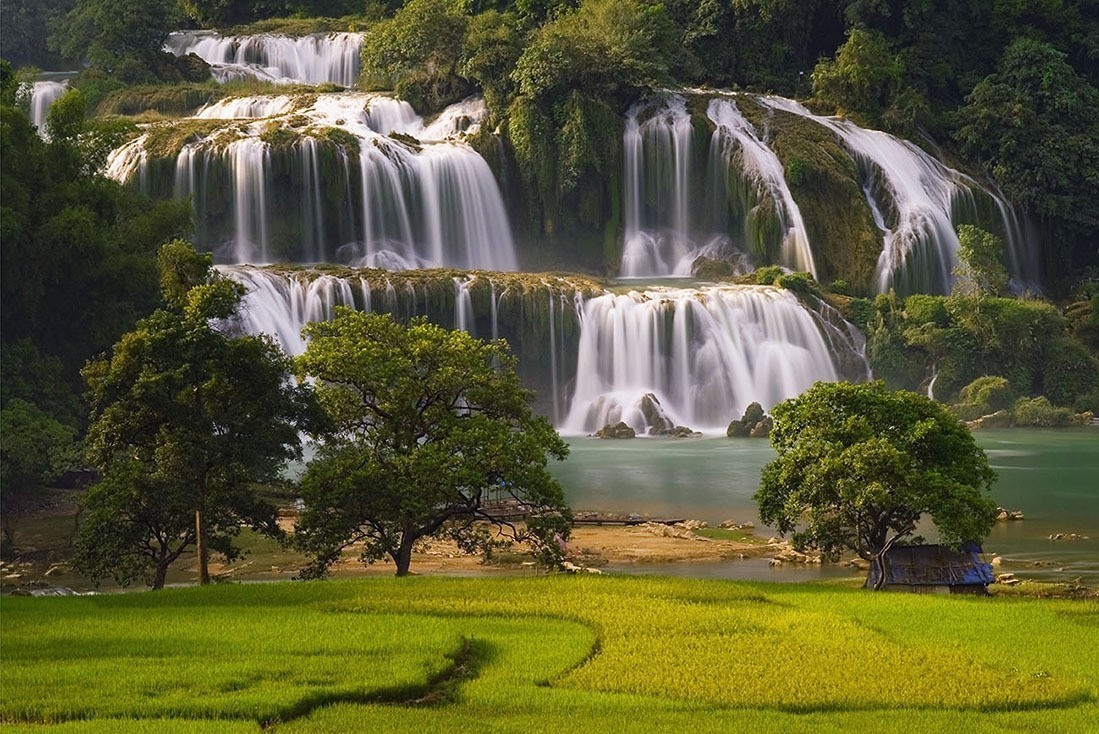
(959, 339)
(859, 465)
(185, 420)
(429, 428)
(618, 654)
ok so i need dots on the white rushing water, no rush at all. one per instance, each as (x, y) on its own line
(654, 358)
(314, 59)
(704, 355)
(736, 138)
(389, 204)
(657, 154)
(914, 198)
(44, 93)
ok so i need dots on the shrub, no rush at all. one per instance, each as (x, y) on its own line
(990, 393)
(1039, 413)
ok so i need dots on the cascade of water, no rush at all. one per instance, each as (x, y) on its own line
(702, 356)
(236, 108)
(44, 93)
(410, 205)
(733, 134)
(249, 159)
(913, 196)
(463, 305)
(657, 213)
(315, 59)
(280, 306)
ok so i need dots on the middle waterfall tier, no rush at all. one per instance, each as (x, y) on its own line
(345, 178)
(655, 358)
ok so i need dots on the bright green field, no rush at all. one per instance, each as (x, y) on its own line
(546, 654)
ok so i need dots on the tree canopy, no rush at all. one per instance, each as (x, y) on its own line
(859, 465)
(186, 420)
(429, 427)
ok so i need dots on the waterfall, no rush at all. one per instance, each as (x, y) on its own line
(44, 93)
(317, 178)
(463, 308)
(314, 59)
(914, 198)
(657, 212)
(735, 135)
(655, 357)
(703, 355)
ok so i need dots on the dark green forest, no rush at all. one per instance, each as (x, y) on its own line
(1008, 89)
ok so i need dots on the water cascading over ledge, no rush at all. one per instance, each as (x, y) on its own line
(702, 355)
(345, 178)
(314, 59)
(917, 203)
(714, 186)
(692, 193)
(591, 355)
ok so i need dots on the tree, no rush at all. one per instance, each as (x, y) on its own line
(34, 450)
(980, 270)
(1033, 125)
(419, 50)
(858, 466)
(186, 420)
(428, 426)
(123, 37)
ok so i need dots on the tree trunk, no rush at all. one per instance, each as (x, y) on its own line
(201, 549)
(161, 573)
(403, 558)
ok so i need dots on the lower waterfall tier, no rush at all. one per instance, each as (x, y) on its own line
(655, 357)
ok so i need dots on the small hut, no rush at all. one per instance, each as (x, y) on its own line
(933, 569)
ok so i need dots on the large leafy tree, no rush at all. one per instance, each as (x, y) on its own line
(429, 426)
(34, 451)
(859, 465)
(186, 421)
(1033, 124)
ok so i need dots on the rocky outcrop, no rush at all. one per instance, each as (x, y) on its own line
(616, 430)
(754, 424)
(1002, 514)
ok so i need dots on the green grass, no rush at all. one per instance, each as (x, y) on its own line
(547, 654)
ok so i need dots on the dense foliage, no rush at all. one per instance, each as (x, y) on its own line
(186, 420)
(859, 465)
(430, 428)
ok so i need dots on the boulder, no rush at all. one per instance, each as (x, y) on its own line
(616, 430)
(754, 424)
(1002, 514)
(653, 414)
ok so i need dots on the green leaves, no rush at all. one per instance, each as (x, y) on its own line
(426, 424)
(186, 420)
(858, 463)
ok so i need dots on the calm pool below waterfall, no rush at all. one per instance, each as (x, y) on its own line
(1052, 476)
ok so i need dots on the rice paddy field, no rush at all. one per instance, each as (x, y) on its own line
(546, 654)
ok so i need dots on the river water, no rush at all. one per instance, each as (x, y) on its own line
(1052, 476)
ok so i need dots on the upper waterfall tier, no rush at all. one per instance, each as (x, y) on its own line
(681, 204)
(315, 59)
(655, 359)
(44, 93)
(735, 181)
(328, 178)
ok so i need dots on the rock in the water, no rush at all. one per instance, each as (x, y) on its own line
(654, 416)
(762, 429)
(755, 424)
(616, 430)
(1002, 514)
